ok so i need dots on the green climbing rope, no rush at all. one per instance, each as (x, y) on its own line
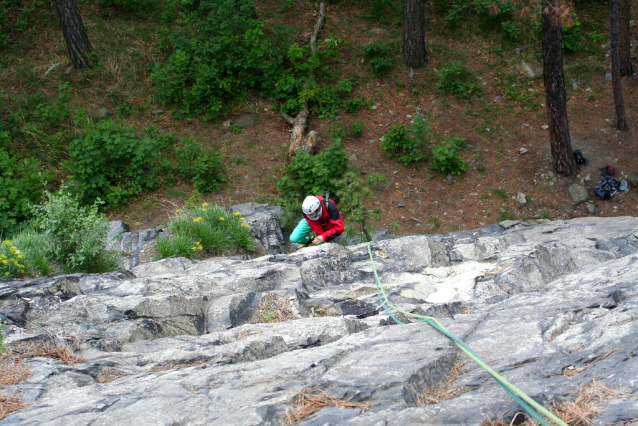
(533, 408)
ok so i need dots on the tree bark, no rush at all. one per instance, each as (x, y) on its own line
(77, 41)
(414, 53)
(626, 68)
(366, 232)
(559, 139)
(614, 11)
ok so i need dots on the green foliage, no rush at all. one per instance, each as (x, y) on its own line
(409, 146)
(54, 114)
(352, 105)
(493, 13)
(11, 260)
(506, 214)
(356, 128)
(435, 222)
(203, 168)
(206, 229)
(379, 57)
(114, 162)
(500, 193)
(111, 162)
(457, 80)
(38, 258)
(385, 11)
(337, 131)
(77, 234)
(446, 159)
(219, 52)
(21, 186)
(353, 191)
(572, 34)
(311, 174)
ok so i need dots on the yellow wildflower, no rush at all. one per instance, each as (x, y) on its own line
(245, 226)
(6, 243)
(221, 218)
(197, 219)
(205, 205)
(243, 219)
(237, 214)
(179, 211)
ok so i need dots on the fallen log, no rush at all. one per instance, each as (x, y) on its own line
(298, 139)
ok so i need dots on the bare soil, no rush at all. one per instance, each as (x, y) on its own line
(496, 129)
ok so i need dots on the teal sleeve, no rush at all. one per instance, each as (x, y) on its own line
(300, 234)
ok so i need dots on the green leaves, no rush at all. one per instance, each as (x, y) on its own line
(312, 174)
(114, 162)
(446, 159)
(457, 80)
(408, 146)
(379, 57)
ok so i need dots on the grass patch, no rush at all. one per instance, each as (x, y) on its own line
(500, 193)
(443, 390)
(272, 308)
(201, 230)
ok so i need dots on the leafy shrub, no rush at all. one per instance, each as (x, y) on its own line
(492, 13)
(206, 229)
(219, 52)
(408, 145)
(54, 114)
(453, 11)
(77, 234)
(111, 162)
(353, 191)
(457, 80)
(446, 159)
(203, 168)
(21, 186)
(379, 57)
(352, 105)
(356, 128)
(311, 174)
(385, 11)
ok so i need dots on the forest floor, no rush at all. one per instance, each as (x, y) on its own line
(495, 125)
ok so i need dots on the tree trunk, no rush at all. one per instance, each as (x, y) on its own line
(77, 41)
(625, 34)
(366, 232)
(414, 53)
(614, 11)
(559, 139)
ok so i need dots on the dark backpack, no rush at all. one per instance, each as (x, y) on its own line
(606, 188)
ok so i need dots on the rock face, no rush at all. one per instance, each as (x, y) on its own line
(550, 307)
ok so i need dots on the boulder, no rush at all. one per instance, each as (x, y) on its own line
(579, 194)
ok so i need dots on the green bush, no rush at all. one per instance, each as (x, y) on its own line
(354, 190)
(572, 34)
(311, 175)
(446, 159)
(409, 146)
(220, 51)
(457, 80)
(206, 229)
(385, 11)
(203, 168)
(77, 234)
(21, 186)
(356, 128)
(492, 13)
(379, 57)
(114, 161)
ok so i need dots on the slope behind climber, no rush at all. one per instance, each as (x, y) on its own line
(321, 217)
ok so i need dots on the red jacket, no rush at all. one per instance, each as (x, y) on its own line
(330, 224)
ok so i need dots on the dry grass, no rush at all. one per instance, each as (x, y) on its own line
(273, 308)
(443, 390)
(11, 404)
(108, 375)
(310, 401)
(61, 352)
(569, 372)
(578, 412)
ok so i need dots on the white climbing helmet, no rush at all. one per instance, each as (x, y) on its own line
(312, 207)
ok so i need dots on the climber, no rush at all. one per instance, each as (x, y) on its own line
(322, 217)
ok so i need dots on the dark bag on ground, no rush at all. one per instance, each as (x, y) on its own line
(606, 188)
